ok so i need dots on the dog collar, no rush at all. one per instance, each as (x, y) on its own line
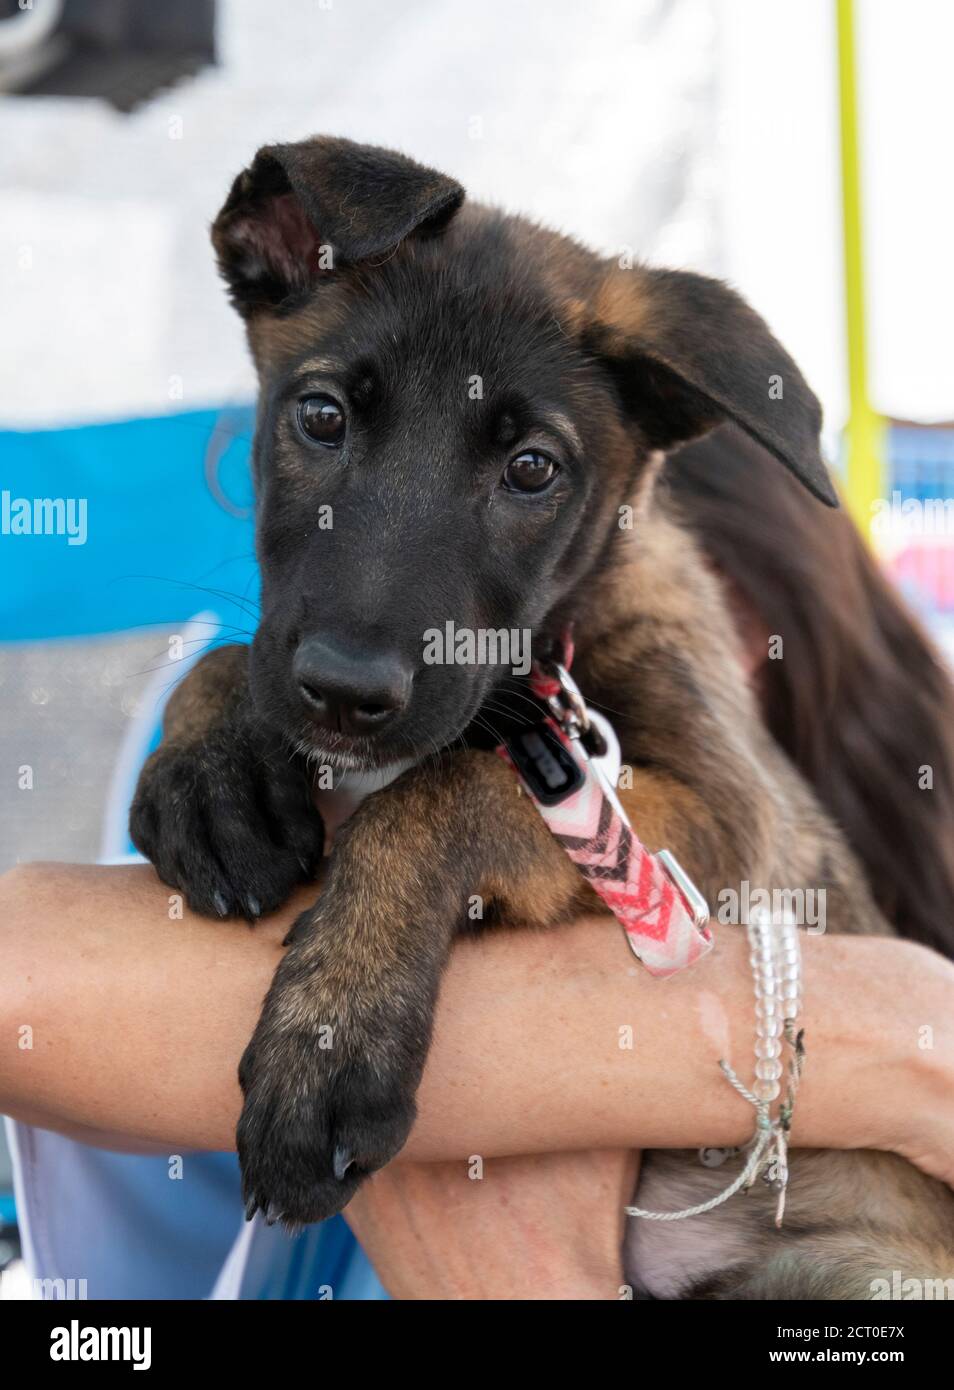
(568, 763)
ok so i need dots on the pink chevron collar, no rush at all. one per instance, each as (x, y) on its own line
(563, 762)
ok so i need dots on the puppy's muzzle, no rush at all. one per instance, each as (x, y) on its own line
(349, 690)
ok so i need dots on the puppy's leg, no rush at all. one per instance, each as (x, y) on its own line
(332, 1070)
(222, 811)
(333, 1067)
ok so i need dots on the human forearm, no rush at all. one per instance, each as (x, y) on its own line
(531, 1055)
(139, 1021)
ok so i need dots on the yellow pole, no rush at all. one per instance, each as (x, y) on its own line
(865, 436)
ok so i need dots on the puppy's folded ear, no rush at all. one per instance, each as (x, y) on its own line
(302, 209)
(688, 353)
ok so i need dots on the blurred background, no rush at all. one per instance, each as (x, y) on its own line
(798, 148)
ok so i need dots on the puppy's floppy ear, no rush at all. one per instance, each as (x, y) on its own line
(688, 353)
(299, 209)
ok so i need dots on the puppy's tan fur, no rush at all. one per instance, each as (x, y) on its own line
(658, 652)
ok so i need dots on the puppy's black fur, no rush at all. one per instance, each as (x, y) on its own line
(461, 420)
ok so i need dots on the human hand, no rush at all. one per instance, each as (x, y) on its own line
(546, 1226)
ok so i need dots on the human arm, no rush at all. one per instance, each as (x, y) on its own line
(138, 1021)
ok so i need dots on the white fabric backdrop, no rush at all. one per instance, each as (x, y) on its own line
(701, 132)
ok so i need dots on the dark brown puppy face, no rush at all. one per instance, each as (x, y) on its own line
(439, 456)
(454, 408)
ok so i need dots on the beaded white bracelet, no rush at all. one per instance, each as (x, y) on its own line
(775, 958)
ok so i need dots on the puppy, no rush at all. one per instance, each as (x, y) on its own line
(462, 418)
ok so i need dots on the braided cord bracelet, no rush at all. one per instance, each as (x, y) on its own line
(775, 958)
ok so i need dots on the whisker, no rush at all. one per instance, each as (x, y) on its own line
(224, 594)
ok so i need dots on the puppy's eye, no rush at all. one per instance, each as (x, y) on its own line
(322, 419)
(530, 471)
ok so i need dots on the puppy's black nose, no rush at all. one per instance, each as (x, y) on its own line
(349, 690)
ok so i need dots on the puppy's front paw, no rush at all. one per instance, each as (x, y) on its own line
(329, 1083)
(228, 822)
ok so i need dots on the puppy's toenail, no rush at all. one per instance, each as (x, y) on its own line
(342, 1162)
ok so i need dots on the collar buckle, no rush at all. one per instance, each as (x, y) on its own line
(554, 684)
